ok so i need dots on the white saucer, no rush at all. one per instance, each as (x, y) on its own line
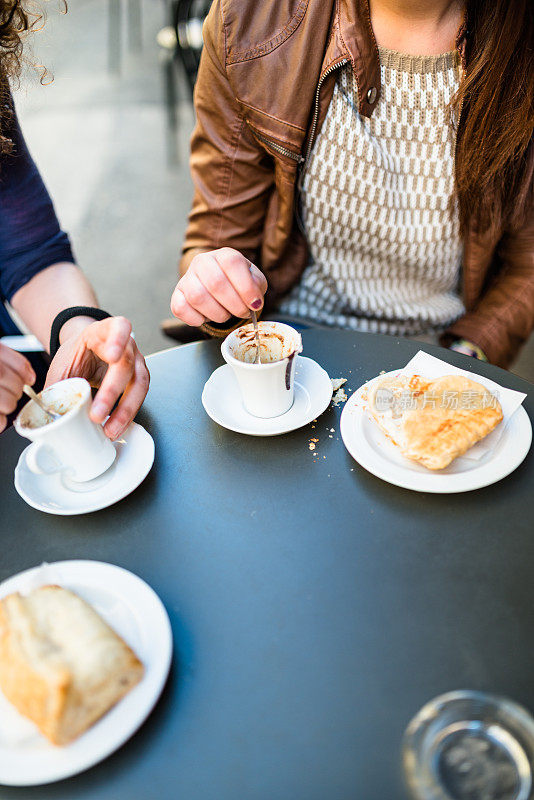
(132, 609)
(56, 494)
(222, 400)
(377, 454)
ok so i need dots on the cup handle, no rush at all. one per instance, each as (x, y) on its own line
(33, 460)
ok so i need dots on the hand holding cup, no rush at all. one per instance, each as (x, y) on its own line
(106, 355)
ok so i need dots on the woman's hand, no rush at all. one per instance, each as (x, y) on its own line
(15, 371)
(217, 286)
(107, 356)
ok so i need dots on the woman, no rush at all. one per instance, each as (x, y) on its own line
(39, 279)
(397, 136)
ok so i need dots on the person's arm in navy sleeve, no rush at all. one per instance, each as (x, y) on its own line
(37, 271)
(39, 278)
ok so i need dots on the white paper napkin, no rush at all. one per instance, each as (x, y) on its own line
(430, 367)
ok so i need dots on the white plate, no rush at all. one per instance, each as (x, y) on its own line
(135, 611)
(222, 400)
(377, 454)
(55, 494)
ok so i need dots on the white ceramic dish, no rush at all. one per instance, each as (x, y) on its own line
(135, 611)
(223, 403)
(56, 494)
(377, 454)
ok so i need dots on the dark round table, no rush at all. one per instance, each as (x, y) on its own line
(314, 607)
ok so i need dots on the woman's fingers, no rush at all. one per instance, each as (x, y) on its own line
(118, 376)
(218, 285)
(128, 377)
(15, 371)
(8, 399)
(248, 281)
(109, 338)
(131, 400)
(260, 279)
(203, 301)
(17, 363)
(111, 342)
(11, 388)
(182, 309)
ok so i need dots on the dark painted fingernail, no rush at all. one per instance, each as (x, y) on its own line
(256, 304)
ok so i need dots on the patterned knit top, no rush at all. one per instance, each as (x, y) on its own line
(378, 204)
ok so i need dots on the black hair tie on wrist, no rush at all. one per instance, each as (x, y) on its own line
(68, 313)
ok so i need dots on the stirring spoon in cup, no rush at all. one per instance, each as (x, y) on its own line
(256, 336)
(36, 399)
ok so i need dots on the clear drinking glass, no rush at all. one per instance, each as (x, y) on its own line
(468, 745)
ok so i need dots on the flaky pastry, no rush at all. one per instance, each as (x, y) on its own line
(433, 422)
(61, 665)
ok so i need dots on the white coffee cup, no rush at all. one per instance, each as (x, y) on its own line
(267, 389)
(73, 443)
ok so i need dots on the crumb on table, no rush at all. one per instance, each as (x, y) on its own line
(340, 396)
(337, 383)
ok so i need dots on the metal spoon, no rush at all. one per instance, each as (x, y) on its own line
(256, 336)
(36, 399)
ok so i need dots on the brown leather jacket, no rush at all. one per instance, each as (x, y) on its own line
(264, 86)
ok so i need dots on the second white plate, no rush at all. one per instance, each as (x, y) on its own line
(135, 611)
(377, 454)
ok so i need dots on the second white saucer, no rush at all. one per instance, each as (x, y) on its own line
(56, 494)
(222, 400)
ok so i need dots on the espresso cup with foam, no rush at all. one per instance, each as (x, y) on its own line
(72, 444)
(267, 388)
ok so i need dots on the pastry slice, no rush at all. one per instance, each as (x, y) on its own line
(433, 422)
(61, 665)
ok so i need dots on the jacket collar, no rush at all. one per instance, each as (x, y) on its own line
(352, 38)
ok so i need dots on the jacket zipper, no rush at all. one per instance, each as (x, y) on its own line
(284, 150)
(279, 148)
(455, 162)
(313, 128)
(316, 111)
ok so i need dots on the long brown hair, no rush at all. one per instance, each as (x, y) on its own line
(495, 142)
